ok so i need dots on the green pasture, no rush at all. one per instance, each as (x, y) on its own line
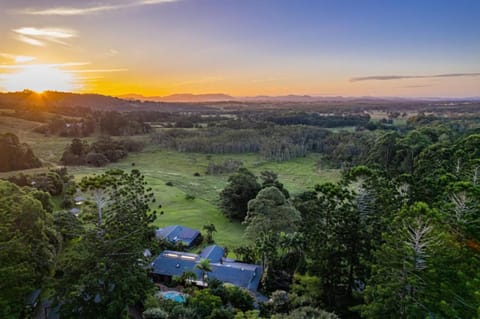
(162, 166)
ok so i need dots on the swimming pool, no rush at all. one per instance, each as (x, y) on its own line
(174, 295)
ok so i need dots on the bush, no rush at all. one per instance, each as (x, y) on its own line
(221, 313)
(240, 299)
(183, 312)
(96, 159)
(189, 197)
(204, 302)
(155, 313)
(307, 313)
(132, 146)
(169, 183)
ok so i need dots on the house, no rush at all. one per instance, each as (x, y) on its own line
(179, 234)
(174, 263)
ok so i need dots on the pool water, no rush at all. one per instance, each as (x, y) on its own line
(174, 296)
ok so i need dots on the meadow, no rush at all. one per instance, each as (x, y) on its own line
(162, 166)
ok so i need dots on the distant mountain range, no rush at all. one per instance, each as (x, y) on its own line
(210, 102)
(93, 101)
(182, 98)
(221, 97)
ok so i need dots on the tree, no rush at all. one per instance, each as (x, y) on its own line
(204, 303)
(78, 147)
(242, 187)
(210, 229)
(204, 266)
(420, 271)
(270, 178)
(384, 150)
(15, 155)
(103, 270)
(270, 211)
(331, 226)
(270, 216)
(28, 247)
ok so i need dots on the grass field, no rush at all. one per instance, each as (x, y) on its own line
(49, 150)
(161, 166)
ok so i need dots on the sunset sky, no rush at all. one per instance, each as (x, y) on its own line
(242, 47)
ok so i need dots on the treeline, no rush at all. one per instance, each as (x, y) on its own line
(214, 140)
(275, 143)
(320, 120)
(67, 127)
(120, 124)
(15, 155)
(103, 151)
(106, 123)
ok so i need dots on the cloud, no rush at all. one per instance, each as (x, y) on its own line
(100, 70)
(51, 65)
(38, 36)
(403, 77)
(46, 32)
(72, 11)
(16, 67)
(414, 86)
(17, 58)
(30, 41)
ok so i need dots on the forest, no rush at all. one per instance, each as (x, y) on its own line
(395, 234)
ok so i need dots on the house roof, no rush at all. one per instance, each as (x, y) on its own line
(174, 263)
(177, 233)
(32, 298)
(239, 274)
(214, 253)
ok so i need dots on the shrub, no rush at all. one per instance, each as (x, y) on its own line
(155, 313)
(96, 159)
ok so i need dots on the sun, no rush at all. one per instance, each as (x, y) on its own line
(39, 78)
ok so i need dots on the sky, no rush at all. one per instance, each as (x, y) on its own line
(408, 48)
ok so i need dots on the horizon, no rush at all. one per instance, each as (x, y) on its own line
(249, 98)
(242, 48)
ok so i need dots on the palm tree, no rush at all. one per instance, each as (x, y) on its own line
(210, 229)
(187, 280)
(204, 266)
